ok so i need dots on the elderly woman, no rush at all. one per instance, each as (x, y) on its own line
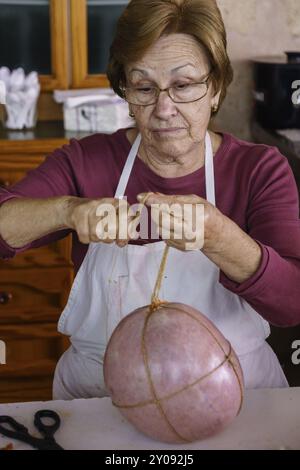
(169, 61)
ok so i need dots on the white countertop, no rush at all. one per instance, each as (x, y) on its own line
(270, 419)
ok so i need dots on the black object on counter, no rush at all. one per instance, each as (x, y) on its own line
(9, 427)
(277, 91)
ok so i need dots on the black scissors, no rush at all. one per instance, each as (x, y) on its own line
(9, 427)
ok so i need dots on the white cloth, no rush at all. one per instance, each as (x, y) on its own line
(114, 281)
(269, 420)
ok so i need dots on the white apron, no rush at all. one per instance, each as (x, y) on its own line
(114, 281)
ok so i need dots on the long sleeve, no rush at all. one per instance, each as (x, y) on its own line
(273, 221)
(54, 177)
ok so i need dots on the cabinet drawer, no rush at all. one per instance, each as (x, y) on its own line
(31, 349)
(9, 177)
(52, 255)
(32, 352)
(20, 389)
(11, 172)
(33, 294)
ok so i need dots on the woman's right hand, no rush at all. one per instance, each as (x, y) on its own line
(89, 218)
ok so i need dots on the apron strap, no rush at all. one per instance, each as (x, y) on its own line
(127, 168)
(209, 171)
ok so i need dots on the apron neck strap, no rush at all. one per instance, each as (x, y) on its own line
(209, 170)
(120, 192)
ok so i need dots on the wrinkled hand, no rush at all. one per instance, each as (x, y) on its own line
(100, 220)
(187, 223)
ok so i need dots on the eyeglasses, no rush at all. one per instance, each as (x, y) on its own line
(181, 93)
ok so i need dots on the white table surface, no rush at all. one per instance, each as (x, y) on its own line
(270, 419)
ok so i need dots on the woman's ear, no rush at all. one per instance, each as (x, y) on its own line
(215, 100)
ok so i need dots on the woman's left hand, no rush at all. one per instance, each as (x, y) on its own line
(186, 222)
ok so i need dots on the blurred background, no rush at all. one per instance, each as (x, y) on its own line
(255, 28)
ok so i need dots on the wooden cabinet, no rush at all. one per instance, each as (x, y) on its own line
(34, 35)
(59, 77)
(71, 44)
(93, 23)
(34, 286)
(71, 39)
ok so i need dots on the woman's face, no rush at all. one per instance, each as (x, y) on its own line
(172, 128)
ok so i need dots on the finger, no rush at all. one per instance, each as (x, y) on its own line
(106, 231)
(133, 232)
(158, 198)
(143, 197)
(122, 221)
(95, 231)
(169, 226)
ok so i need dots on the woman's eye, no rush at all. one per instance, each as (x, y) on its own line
(145, 89)
(182, 86)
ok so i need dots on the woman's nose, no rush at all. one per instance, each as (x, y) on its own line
(165, 107)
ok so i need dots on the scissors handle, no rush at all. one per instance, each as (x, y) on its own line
(12, 426)
(48, 430)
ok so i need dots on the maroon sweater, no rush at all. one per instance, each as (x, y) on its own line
(254, 187)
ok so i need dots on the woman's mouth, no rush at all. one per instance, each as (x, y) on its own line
(170, 130)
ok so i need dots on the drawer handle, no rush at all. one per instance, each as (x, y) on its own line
(4, 184)
(5, 297)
